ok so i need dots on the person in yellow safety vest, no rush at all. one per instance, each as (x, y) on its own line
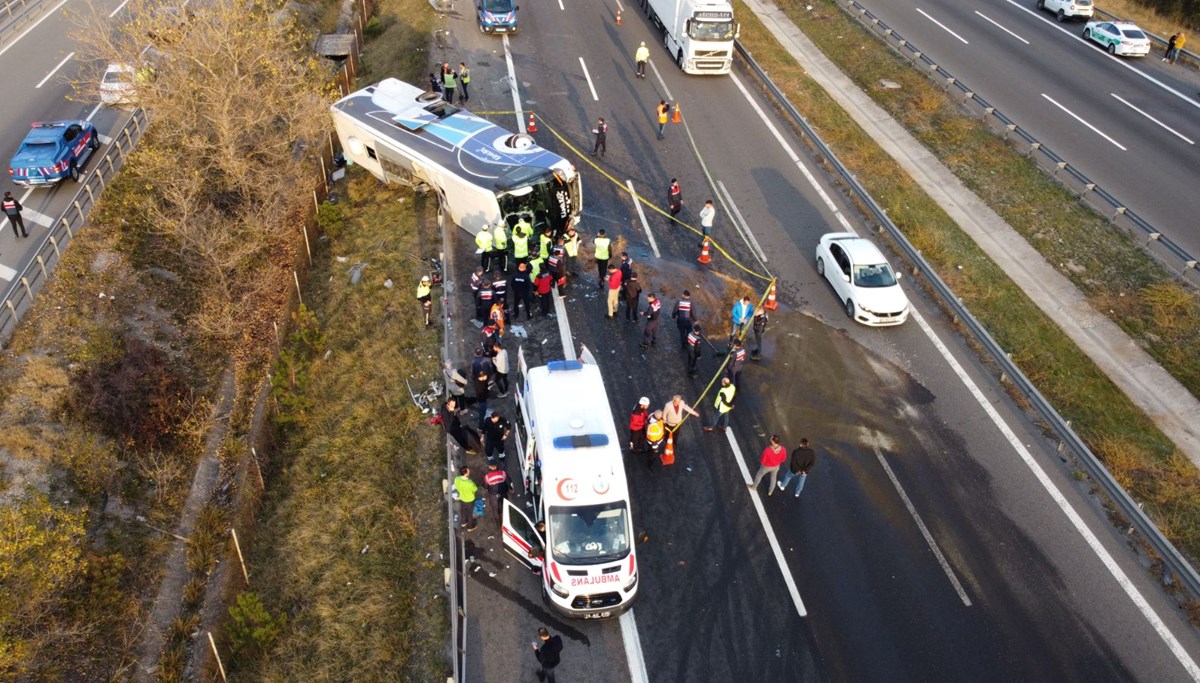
(723, 404)
(663, 110)
(520, 239)
(544, 242)
(483, 240)
(602, 245)
(425, 296)
(464, 79)
(655, 433)
(449, 82)
(500, 246)
(535, 267)
(571, 245)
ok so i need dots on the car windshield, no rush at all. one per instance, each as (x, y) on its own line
(115, 77)
(879, 275)
(587, 534)
(711, 30)
(498, 5)
(1134, 33)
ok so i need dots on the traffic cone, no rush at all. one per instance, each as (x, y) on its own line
(771, 304)
(704, 257)
(532, 128)
(676, 118)
(668, 456)
(618, 16)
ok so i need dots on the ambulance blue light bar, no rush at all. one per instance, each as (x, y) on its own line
(574, 441)
(564, 365)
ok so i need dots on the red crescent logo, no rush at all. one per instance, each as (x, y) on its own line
(601, 486)
(567, 489)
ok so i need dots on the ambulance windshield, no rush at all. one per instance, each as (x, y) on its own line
(588, 534)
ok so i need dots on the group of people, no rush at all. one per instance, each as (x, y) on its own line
(1174, 45)
(450, 83)
(514, 267)
(774, 456)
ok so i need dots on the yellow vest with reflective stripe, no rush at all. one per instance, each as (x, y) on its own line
(654, 431)
(500, 238)
(602, 244)
(520, 244)
(727, 392)
(572, 245)
(483, 240)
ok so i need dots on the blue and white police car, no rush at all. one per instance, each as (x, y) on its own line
(52, 151)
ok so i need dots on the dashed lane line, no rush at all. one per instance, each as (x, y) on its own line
(642, 215)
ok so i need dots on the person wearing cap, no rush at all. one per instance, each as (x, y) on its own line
(694, 340)
(684, 315)
(425, 296)
(724, 404)
(641, 57)
(637, 425)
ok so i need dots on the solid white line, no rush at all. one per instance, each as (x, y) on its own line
(89, 117)
(762, 517)
(560, 6)
(740, 223)
(633, 655)
(641, 214)
(912, 511)
(1077, 118)
(944, 27)
(588, 76)
(7, 274)
(564, 326)
(1165, 127)
(37, 217)
(32, 26)
(1123, 581)
(54, 70)
(661, 83)
(993, 23)
(118, 9)
(812, 180)
(1124, 63)
(512, 79)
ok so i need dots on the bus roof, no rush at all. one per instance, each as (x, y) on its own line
(578, 442)
(477, 150)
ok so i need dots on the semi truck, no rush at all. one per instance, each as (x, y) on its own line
(698, 34)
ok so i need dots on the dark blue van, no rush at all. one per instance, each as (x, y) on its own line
(497, 16)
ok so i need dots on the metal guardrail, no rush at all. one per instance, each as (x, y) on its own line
(1155, 242)
(16, 13)
(1175, 565)
(36, 273)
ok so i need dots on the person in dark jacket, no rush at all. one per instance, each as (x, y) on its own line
(498, 486)
(483, 382)
(684, 314)
(496, 430)
(631, 292)
(451, 418)
(548, 650)
(675, 197)
(695, 347)
(759, 326)
(737, 360)
(801, 462)
(601, 133)
(522, 287)
(12, 209)
(653, 309)
(542, 284)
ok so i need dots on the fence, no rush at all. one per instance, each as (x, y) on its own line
(14, 14)
(36, 273)
(1153, 240)
(1174, 564)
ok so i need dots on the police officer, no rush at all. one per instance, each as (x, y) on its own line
(571, 247)
(759, 327)
(483, 306)
(12, 209)
(496, 430)
(602, 244)
(425, 296)
(737, 360)
(500, 291)
(694, 340)
(675, 197)
(483, 240)
(464, 79)
(601, 132)
(683, 316)
(500, 247)
(650, 334)
(522, 285)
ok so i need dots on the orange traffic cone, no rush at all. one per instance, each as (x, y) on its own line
(676, 118)
(668, 456)
(618, 16)
(704, 257)
(771, 304)
(532, 128)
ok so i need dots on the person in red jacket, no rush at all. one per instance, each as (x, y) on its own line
(637, 425)
(541, 285)
(773, 456)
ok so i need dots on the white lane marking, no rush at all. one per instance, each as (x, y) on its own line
(661, 82)
(641, 214)
(739, 222)
(762, 517)
(812, 180)
(588, 76)
(560, 6)
(25, 196)
(912, 511)
(89, 118)
(1076, 521)
(7, 274)
(512, 78)
(37, 217)
(944, 27)
(1124, 63)
(633, 655)
(118, 9)
(993, 23)
(1075, 116)
(104, 139)
(1165, 127)
(54, 70)
(32, 26)
(564, 325)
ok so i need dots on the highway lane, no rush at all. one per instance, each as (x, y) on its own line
(1131, 125)
(714, 604)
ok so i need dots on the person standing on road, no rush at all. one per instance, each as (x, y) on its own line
(641, 57)
(601, 133)
(464, 79)
(656, 434)
(723, 403)
(675, 197)
(483, 391)
(773, 456)
(683, 316)
(496, 430)
(435, 83)
(487, 296)
(602, 245)
(483, 240)
(449, 82)
(737, 360)
(500, 367)
(466, 488)
(1178, 46)
(425, 297)
(637, 425)
(673, 414)
(707, 215)
(801, 462)
(743, 311)
(548, 650)
(522, 292)
(653, 308)
(631, 292)
(626, 265)
(571, 249)
(496, 481)
(500, 247)
(614, 290)
(542, 284)
(694, 349)
(759, 326)
(663, 110)
(12, 209)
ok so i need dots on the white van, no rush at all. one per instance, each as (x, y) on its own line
(1067, 9)
(575, 476)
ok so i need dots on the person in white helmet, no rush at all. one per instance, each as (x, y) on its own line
(641, 57)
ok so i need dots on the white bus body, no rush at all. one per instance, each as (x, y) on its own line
(699, 34)
(575, 476)
(481, 172)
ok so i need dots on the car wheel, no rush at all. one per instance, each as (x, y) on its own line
(1041, 4)
(1112, 49)
(1060, 16)
(1087, 34)
(74, 172)
(850, 308)
(820, 266)
(94, 143)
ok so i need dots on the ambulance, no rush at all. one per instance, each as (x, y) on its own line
(578, 532)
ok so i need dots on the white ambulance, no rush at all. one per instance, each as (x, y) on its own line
(579, 532)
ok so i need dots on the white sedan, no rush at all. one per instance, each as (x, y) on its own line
(867, 286)
(117, 86)
(1118, 37)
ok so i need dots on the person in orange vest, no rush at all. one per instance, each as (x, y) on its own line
(497, 317)
(664, 110)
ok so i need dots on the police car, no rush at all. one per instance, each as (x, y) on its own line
(1118, 37)
(496, 16)
(52, 151)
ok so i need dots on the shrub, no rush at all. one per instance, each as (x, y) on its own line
(251, 626)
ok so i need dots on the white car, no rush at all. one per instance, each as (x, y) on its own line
(1067, 9)
(1118, 37)
(118, 86)
(865, 284)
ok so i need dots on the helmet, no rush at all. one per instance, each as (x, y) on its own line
(643, 401)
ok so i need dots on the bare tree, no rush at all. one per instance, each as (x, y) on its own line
(238, 104)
